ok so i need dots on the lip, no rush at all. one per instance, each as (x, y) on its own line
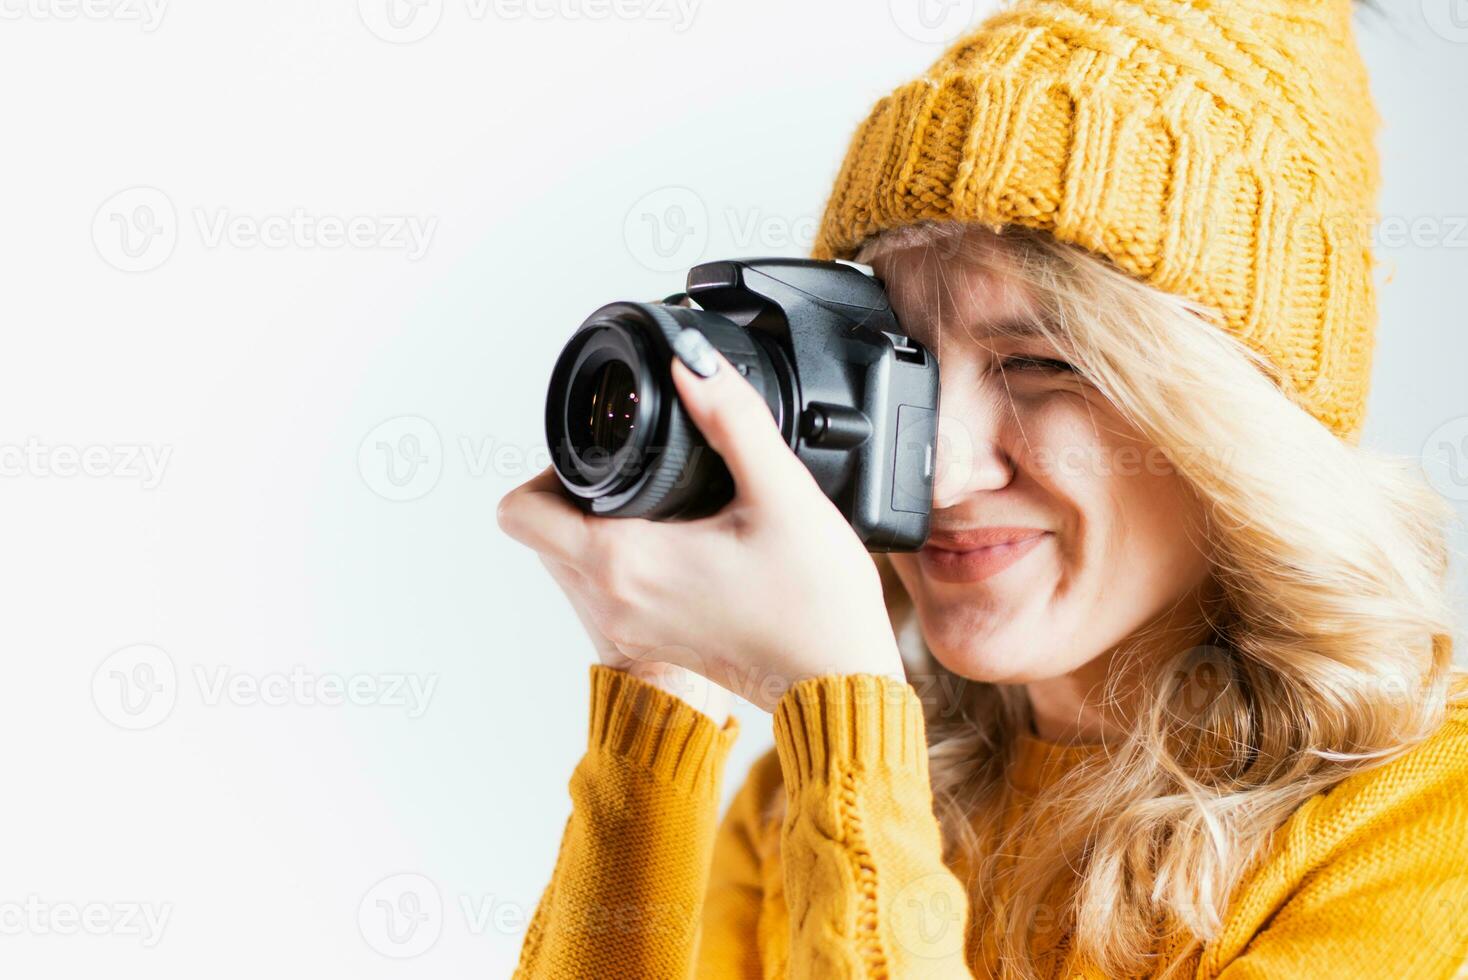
(971, 556)
(980, 537)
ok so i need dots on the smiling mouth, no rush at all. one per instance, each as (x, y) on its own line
(947, 561)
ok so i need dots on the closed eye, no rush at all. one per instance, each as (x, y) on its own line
(1036, 364)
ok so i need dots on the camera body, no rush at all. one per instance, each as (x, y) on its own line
(854, 398)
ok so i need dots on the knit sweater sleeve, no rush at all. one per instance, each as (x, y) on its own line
(866, 886)
(626, 896)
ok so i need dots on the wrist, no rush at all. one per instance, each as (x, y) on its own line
(699, 693)
(883, 660)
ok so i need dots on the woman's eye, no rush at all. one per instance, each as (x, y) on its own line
(1036, 364)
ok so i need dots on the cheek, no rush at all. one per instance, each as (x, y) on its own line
(1058, 449)
(1128, 529)
(1164, 532)
(1137, 543)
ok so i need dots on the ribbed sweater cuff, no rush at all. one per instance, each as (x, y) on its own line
(826, 726)
(653, 730)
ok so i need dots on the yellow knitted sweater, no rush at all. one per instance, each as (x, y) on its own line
(1368, 880)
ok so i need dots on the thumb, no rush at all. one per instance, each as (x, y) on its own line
(733, 418)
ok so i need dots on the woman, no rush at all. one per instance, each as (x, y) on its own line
(1170, 691)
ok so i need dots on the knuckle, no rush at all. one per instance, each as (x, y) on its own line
(504, 513)
(611, 566)
(619, 625)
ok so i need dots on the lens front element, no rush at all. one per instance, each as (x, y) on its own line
(604, 410)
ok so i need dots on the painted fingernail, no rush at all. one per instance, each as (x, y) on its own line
(695, 351)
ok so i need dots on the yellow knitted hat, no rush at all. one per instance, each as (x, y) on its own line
(1222, 150)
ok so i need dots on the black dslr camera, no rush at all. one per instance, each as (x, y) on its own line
(854, 398)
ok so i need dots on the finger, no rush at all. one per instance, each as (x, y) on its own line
(733, 418)
(539, 515)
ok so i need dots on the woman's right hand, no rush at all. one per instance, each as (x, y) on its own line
(698, 692)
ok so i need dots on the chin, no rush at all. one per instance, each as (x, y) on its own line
(994, 646)
(995, 663)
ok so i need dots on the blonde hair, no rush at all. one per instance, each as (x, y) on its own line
(1332, 654)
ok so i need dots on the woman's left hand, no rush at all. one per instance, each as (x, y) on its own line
(774, 588)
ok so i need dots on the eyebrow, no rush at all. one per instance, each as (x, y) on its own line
(1009, 328)
(1019, 327)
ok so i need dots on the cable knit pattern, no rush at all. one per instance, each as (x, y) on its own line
(1223, 150)
(863, 856)
(646, 797)
(1367, 880)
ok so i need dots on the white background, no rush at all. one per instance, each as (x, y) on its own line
(554, 155)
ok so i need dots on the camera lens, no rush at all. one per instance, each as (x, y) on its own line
(619, 440)
(603, 410)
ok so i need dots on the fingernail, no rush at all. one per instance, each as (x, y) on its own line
(695, 351)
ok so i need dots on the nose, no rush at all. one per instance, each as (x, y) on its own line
(970, 458)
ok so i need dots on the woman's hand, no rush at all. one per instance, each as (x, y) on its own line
(697, 691)
(774, 588)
